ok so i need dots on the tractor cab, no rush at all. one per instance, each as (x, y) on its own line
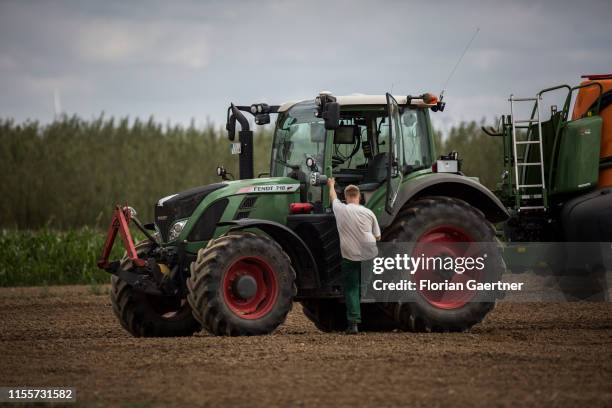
(370, 141)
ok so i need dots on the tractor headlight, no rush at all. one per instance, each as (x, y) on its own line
(176, 230)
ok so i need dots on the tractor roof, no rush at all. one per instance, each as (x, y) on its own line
(361, 99)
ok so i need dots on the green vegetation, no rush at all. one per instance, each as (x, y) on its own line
(70, 173)
(481, 155)
(59, 183)
(46, 257)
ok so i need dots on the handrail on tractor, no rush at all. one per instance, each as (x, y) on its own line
(587, 86)
(563, 121)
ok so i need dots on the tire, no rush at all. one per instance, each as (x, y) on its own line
(220, 267)
(328, 315)
(461, 222)
(579, 272)
(583, 284)
(144, 315)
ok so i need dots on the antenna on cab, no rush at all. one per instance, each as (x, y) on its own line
(467, 47)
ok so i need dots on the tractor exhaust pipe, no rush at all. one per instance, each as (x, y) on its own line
(245, 137)
(245, 158)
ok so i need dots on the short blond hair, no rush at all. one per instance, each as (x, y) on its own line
(351, 191)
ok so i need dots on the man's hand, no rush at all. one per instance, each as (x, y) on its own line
(331, 183)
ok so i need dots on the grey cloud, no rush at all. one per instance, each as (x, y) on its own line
(183, 60)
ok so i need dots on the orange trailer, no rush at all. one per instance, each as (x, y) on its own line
(585, 103)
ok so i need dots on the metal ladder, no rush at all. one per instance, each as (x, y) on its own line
(537, 199)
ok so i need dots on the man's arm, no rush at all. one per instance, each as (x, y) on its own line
(375, 228)
(336, 205)
(331, 183)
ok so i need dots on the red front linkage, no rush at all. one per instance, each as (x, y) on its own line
(120, 222)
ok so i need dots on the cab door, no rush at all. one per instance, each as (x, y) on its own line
(396, 150)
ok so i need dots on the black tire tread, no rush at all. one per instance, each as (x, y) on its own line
(328, 315)
(135, 314)
(207, 273)
(409, 316)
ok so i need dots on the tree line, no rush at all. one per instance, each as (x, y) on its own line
(68, 174)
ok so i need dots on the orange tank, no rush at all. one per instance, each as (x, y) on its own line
(584, 100)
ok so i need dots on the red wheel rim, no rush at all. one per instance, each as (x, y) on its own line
(441, 241)
(266, 294)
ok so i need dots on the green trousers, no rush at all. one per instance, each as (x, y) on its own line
(352, 289)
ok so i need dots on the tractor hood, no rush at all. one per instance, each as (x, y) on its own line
(181, 205)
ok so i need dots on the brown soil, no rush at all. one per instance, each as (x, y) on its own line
(552, 354)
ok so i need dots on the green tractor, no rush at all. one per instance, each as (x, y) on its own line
(233, 257)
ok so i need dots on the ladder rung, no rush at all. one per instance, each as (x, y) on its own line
(522, 99)
(527, 141)
(529, 185)
(532, 207)
(531, 196)
(522, 127)
(529, 164)
(525, 120)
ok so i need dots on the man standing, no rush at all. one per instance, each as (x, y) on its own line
(359, 231)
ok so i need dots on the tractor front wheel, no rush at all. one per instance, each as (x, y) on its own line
(144, 315)
(241, 284)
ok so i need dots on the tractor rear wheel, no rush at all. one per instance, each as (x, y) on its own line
(439, 220)
(144, 315)
(328, 315)
(241, 284)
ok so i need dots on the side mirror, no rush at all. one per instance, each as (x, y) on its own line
(262, 118)
(331, 115)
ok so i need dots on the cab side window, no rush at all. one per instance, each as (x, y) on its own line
(417, 152)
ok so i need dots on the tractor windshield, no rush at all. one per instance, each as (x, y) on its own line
(299, 134)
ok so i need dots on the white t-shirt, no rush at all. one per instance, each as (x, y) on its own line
(357, 227)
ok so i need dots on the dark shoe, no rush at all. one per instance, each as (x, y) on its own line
(352, 329)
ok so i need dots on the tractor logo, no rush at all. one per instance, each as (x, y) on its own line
(274, 188)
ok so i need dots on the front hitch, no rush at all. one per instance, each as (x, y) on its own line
(144, 275)
(120, 223)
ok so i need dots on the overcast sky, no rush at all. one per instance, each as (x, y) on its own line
(182, 60)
